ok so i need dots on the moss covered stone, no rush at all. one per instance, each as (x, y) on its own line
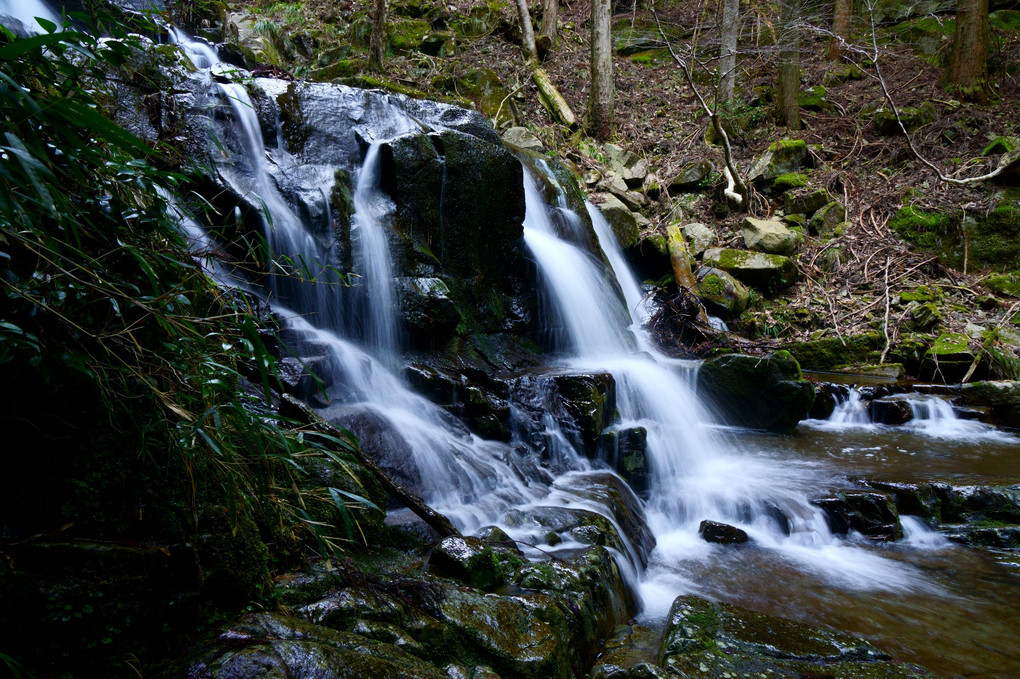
(783, 157)
(827, 219)
(912, 118)
(814, 99)
(787, 182)
(763, 272)
(1006, 284)
(831, 352)
(762, 392)
(721, 293)
(805, 202)
(407, 35)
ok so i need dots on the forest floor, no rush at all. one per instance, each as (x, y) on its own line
(873, 176)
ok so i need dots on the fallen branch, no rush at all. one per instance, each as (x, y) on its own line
(434, 519)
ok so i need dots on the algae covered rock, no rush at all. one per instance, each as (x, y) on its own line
(721, 293)
(770, 236)
(620, 218)
(753, 391)
(625, 451)
(709, 639)
(912, 118)
(475, 562)
(827, 218)
(761, 271)
(782, 157)
(949, 358)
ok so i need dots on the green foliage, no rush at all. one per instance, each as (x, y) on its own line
(101, 302)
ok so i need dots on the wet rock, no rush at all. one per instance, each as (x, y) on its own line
(629, 647)
(620, 218)
(1002, 398)
(626, 509)
(782, 157)
(651, 256)
(380, 440)
(805, 201)
(704, 638)
(914, 499)
(692, 176)
(582, 525)
(475, 562)
(624, 450)
(994, 537)
(590, 402)
(827, 396)
(304, 377)
(429, 315)
(721, 533)
(869, 513)
(762, 392)
(763, 272)
(699, 237)
(891, 410)
(771, 236)
(721, 293)
(272, 645)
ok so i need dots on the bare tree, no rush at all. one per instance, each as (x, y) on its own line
(527, 32)
(377, 44)
(788, 87)
(600, 100)
(842, 11)
(736, 191)
(968, 62)
(728, 50)
(550, 16)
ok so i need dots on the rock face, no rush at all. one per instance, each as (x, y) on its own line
(770, 236)
(762, 392)
(763, 272)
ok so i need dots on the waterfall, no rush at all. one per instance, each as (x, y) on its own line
(26, 11)
(850, 410)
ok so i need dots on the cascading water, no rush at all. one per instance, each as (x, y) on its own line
(26, 11)
(698, 469)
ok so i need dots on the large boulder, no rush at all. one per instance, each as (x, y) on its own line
(721, 293)
(771, 236)
(700, 237)
(475, 562)
(754, 391)
(782, 157)
(763, 272)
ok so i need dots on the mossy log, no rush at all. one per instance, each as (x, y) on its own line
(552, 99)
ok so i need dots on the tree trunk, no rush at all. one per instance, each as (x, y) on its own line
(841, 13)
(728, 50)
(377, 45)
(788, 90)
(600, 99)
(968, 61)
(550, 14)
(527, 32)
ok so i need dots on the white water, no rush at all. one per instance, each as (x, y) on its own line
(26, 12)
(697, 471)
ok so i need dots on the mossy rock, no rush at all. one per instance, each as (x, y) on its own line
(787, 182)
(475, 562)
(840, 76)
(814, 99)
(786, 156)
(922, 294)
(912, 118)
(993, 240)
(622, 221)
(923, 317)
(705, 638)
(1005, 284)
(830, 352)
(752, 391)
(1001, 145)
(343, 68)
(805, 202)
(763, 272)
(407, 35)
(1002, 398)
(693, 176)
(486, 90)
(948, 359)
(827, 218)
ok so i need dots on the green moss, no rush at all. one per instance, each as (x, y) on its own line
(1005, 20)
(927, 230)
(828, 353)
(793, 180)
(789, 146)
(922, 293)
(1007, 284)
(950, 343)
(814, 99)
(407, 35)
(650, 58)
(374, 83)
(292, 120)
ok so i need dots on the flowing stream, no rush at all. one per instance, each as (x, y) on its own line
(594, 310)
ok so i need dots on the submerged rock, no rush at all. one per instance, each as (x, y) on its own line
(763, 392)
(721, 533)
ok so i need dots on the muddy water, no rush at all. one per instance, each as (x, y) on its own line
(952, 609)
